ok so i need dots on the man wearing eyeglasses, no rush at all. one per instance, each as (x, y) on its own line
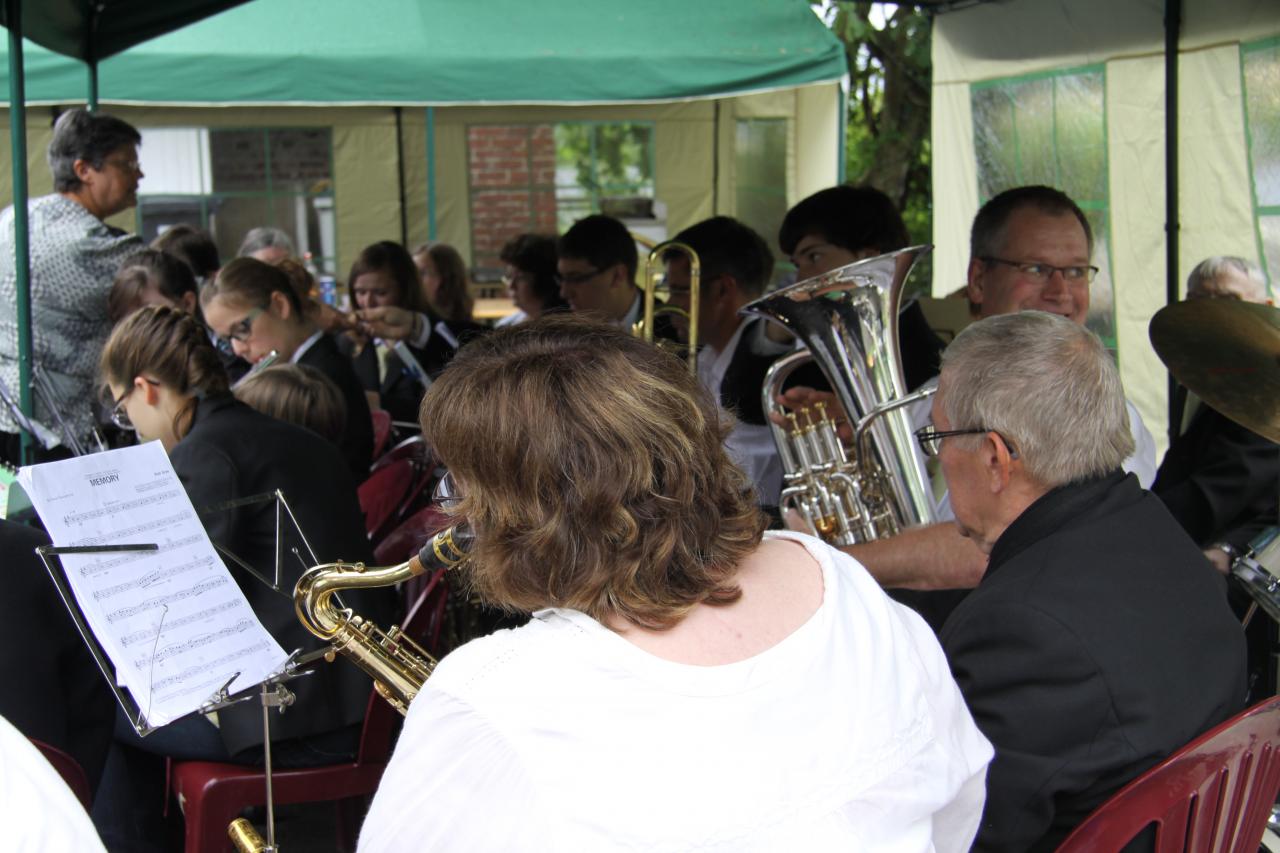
(1099, 640)
(1030, 249)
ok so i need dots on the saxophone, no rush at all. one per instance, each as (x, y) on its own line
(398, 665)
(848, 318)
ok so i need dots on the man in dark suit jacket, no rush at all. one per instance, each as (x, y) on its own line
(1099, 639)
(735, 353)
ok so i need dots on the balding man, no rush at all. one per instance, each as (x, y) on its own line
(1099, 640)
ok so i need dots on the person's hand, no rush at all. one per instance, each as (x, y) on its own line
(801, 397)
(330, 319)
(388, 322)
(1220, 559)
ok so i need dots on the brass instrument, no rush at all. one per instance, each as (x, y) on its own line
(398, 665)
(848, 318)
(245, 838)
(654, 276)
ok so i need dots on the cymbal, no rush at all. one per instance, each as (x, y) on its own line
(1226, 352)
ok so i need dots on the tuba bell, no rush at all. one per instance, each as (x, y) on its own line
(848, 318)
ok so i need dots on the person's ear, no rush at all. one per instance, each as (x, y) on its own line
(84, 171)
(188, 302)
(150, 393)
(283, 307)
(974, 285)
(618, 276)
(998, 462)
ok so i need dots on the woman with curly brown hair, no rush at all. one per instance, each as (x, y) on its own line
(686, 681)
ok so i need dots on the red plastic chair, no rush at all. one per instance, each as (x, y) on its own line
(414, 449)
(385, 494)
(212, 794)
(410, 535)
(70, 771)
(1214, 794)
(381, 430)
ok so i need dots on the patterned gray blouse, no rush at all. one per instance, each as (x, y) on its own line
(74, 257)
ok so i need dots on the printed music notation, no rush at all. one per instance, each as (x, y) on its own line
(174, 623)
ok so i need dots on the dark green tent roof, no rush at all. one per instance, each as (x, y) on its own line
(451, 52)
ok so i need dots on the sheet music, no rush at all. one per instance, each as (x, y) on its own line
(174, 622)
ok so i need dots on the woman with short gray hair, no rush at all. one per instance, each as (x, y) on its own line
(74, 258)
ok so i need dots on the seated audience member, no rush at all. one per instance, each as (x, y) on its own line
(1220, 480)
(297, 394)
(443, 277)
(383, 276)
(53, 689)
(736, 265)
(597, 263)
(169, 386)
(841, 225)
(266, 244)
(1099, 640)
(253, 307)
(529, 273)
(194, 247)
(684, 679)
(152, 277)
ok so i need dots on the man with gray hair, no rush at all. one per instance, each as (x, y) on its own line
(1227, 277)
(266, 244)
(1098, 640)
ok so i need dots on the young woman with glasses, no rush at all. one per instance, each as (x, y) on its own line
(167, 383)
(252, 307)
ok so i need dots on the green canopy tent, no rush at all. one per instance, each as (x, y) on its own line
(88, 32)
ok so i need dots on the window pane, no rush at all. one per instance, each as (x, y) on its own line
(300, 160)
(157, 214)
(1269, 226)
(760, 171)
(239, 160)
(1081, 137)
(1262, 100)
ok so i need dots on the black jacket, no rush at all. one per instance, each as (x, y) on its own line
(357, 439)
(1098, 642)
(233, 451)
(1220, 480)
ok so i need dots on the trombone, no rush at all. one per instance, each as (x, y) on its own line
(655, 279)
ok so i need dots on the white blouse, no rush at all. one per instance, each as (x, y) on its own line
(849, 734)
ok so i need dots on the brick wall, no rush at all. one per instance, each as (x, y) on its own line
(512, 178)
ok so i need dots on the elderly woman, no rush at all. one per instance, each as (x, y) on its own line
(530, 275)
(255, 310)
(74, 256)
(685, 680)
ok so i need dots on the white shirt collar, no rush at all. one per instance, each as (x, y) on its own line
(304, 346)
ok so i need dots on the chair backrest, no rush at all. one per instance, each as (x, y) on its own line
(381, 430)
(69, 769)
(411, 534)
(1214, 794)
(384, 493)
(413, 448)
(422, 625)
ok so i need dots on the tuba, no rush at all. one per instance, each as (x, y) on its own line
(399, 666)
(848, 318)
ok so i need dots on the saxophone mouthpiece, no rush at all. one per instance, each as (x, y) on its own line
(447, 548)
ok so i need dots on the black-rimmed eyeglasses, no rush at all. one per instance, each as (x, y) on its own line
(1044, 272)
(930, 439)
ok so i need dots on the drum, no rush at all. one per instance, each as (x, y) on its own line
(1258, 571)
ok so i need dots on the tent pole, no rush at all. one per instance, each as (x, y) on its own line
(21, 238)
(1172, 27)
(842, 132)
(93, 86)
(404, 213)
(431, 173)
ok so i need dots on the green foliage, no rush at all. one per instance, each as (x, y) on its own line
(606, 157)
